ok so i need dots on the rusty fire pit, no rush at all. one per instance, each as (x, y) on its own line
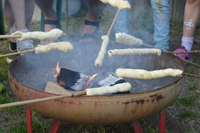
(29, 73)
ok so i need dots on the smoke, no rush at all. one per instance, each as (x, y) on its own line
(35, 70)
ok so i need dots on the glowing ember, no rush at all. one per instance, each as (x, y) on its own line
(88, 82)
(58, 69)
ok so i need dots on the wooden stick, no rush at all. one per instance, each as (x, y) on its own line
(191, 75)
(40, 100)
(113, 22)
(184, 52)
(21, 52)
(10, 36)
(18, 36)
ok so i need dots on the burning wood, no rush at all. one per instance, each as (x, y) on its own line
(111, 80)
(134, 51)
(51, 35)
(143, 74)
(73, 80)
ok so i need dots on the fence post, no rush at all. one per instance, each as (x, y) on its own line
(2, 29)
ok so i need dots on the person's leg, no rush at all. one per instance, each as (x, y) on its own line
(9, 18)
(29, 9)
(95, 9)
(47, 8)
(9, 22)
(161, 23)
(191, 16)
(18, 10)
(122, 21)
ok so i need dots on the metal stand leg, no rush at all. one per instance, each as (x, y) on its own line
(54, 128)
(162, 119)
(56, 125)
(136, 126)
(29, 120)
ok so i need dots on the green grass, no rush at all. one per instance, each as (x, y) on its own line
(187, 100)
(187, 113)
(191, 70)
(193, 86)
(147, 128)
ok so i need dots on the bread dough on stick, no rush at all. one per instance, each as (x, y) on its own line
(51, 35)
(62, 46)
(102, 52)
(134, 51)
(143, 74)
(123, 87)
(128, 39)
(121, 4)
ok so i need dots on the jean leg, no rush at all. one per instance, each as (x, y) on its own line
(161, 23)
(122, 21)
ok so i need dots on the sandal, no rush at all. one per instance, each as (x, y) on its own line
(93, 36)
(55, 24)
(52, 22)
(184, 56)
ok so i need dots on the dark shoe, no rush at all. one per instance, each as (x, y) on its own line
(12, 49)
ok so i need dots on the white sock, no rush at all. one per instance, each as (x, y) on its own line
(187, 42)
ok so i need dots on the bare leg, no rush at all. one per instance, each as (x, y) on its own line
(18, 10)
(191, 16)
(95, 9)
(29, 8)
(192, 12)
(9, 17)
(47, 8)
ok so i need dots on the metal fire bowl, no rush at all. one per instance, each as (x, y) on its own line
(29, 73)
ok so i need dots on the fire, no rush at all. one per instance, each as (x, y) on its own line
(58, 69)
(88, 82)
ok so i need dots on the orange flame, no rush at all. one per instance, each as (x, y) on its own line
(58, 69)
(88, 82)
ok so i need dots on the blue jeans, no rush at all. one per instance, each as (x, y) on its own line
(161, 23)
(122, 21)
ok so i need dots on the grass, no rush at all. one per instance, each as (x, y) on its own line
(187, 113)
(193, 86)
(187, 100)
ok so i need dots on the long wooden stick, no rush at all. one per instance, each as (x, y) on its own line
(21, 52)
(40, 100)
(113, 22)
(184, 52)
(10, 36)
(18, 36)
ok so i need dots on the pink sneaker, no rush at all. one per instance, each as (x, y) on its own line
(183, 56)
